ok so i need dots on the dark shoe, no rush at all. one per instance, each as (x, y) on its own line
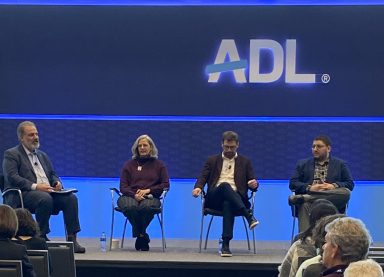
(253, 222)
(225, 251)
(145, 245)
(296, 199)
(77, 248)
(139, 243)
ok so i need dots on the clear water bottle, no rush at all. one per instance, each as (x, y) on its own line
(220, 245)
(103, 242)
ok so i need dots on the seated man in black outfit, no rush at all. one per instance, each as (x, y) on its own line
(27, 168)
(228, 175)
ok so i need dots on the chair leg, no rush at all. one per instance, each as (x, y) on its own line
(246, 233)
(162, 231)
(254, 241)
(112, 223)
(125, 227)
(206, 237)
(201, 232)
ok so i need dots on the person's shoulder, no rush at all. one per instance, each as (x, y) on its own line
(17, 246)
(159, 162)
(305, 161)
(129, 162)
(242, 157)
(337, 160)
(214, 157)
(14, 150)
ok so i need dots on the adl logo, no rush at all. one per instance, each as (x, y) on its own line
(238, 66)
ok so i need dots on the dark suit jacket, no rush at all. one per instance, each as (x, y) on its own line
(18, 171)
(212, 170)
(338, 173)
(12, 251)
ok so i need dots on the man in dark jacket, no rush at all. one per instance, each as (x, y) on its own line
(229, 176)
(320, 177)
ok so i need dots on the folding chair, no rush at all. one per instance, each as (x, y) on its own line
(207, 211)
(159, 213)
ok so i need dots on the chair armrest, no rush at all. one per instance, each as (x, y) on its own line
(164, 194)
(18, 191)
(114, 191)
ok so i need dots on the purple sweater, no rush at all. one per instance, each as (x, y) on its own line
(153, 175)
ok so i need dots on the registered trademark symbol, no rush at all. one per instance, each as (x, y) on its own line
(325, 78)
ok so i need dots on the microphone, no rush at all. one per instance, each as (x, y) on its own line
(148, 196)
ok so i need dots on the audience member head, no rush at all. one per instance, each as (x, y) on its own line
(27, 225)
(144, 146)
(318, 233)
(319, 209)
(347, 240)
(8, 222)
(364, 268)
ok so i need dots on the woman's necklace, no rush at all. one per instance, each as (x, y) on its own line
(139, 166)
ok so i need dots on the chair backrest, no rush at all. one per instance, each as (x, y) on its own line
(40, 262)
(62, 258)
(11, 268)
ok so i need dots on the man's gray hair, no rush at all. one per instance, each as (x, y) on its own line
(20, 127)
(135, 151)
(351, 236)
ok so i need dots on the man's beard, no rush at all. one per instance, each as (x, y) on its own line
(229, 155)
(35, 145)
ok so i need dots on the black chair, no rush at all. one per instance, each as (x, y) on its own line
(9, 191)
(159, 213)
(11, 268)
(62, 258)
(18, 192)
(207, 211)
(40, 262)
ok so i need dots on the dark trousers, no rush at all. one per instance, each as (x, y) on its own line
(339, 197)
(224, 198)
(139, 214)
(44, 204)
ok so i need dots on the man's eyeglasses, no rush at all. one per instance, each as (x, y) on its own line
(228, 147)
(318, 146)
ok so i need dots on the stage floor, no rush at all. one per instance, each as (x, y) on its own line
(184, 253)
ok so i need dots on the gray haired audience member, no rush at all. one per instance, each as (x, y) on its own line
(347, 240)
(364, 268)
